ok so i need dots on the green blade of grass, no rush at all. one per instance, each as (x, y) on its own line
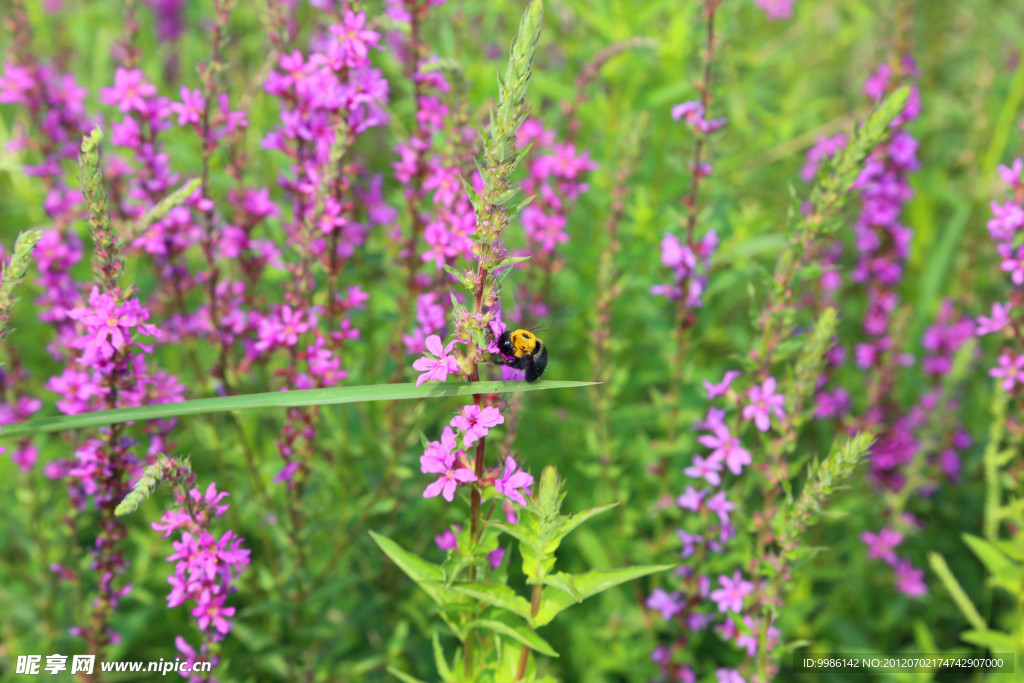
(276, 399)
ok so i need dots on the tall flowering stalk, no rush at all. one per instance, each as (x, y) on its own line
(107, 368)
(754, 435)
(476, 325)
(689, 258)
(206, 567)
(458, 458)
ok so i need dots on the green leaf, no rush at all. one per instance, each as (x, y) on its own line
(277, 399)
(956, 591)
(516, 531)
(994, 641)
(427, 576)
(439, 659)
(496, 595)
(507, 624)
(580, 517)
(402, 676)
(589, 584)
(1004, 571)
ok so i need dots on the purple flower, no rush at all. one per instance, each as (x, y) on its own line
(129, 92)
(668, 605)
(690, 542)
(721, 506)
(732, 675)
(436, 368)
(496, 557)
(437, 453)
(726, 447)
(722, 388)
(1010, 369)
(909, 579)
(211, 610)
(191, 107)
(1011, 175)
(690, 499)
(730, 596)
(108, 326)
(1014, 265)
(707, 469)
(450, 478)
(511, 481)
(692, 111)
(475, 422)
(998, 322)
(881, 545)
(355, 40)
(764, 402)
(447, 541)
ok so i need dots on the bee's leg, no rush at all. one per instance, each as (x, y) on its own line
(532, 370)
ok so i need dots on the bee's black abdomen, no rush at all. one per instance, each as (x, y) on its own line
(539, 361)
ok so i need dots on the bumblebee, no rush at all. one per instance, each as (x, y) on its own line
(528, 353)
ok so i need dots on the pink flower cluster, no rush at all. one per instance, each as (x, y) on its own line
(206, 567)
(448, 458)
(690, 259)
(909, 580)
(1005, 228)
(709, 528)
(555, 181)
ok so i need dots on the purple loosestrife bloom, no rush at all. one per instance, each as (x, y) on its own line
(882, 544)
(668, 605)
(730, 596)
(824, 148)
(722, 388)
(437, 452)
(451, 475)
(108, 326)
(997, 322)
(690, 499)
(726, 447)
(512, 480)
(721, 506)
(130, 91)
(447, 541)
(496, 557)
(706, 469)
(731, 675)
(909, 579)
(475, 422)
(764, 403)
(1010, 369)
(205, 565)
(1013, 264)
(439, 367)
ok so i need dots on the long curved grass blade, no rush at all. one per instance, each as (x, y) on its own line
(277, 399)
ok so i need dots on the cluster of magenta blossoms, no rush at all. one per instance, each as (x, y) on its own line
(107, 368)
(909, 579)
(431, 163)
(57, 119)
(776, 9)
(703, 599)
(56, 106)
(555, 180)
(328, 99)
(690, 259)
(1004, 321)
(205, 568)
(448, 458)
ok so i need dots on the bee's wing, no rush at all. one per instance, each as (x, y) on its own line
(550, 320)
